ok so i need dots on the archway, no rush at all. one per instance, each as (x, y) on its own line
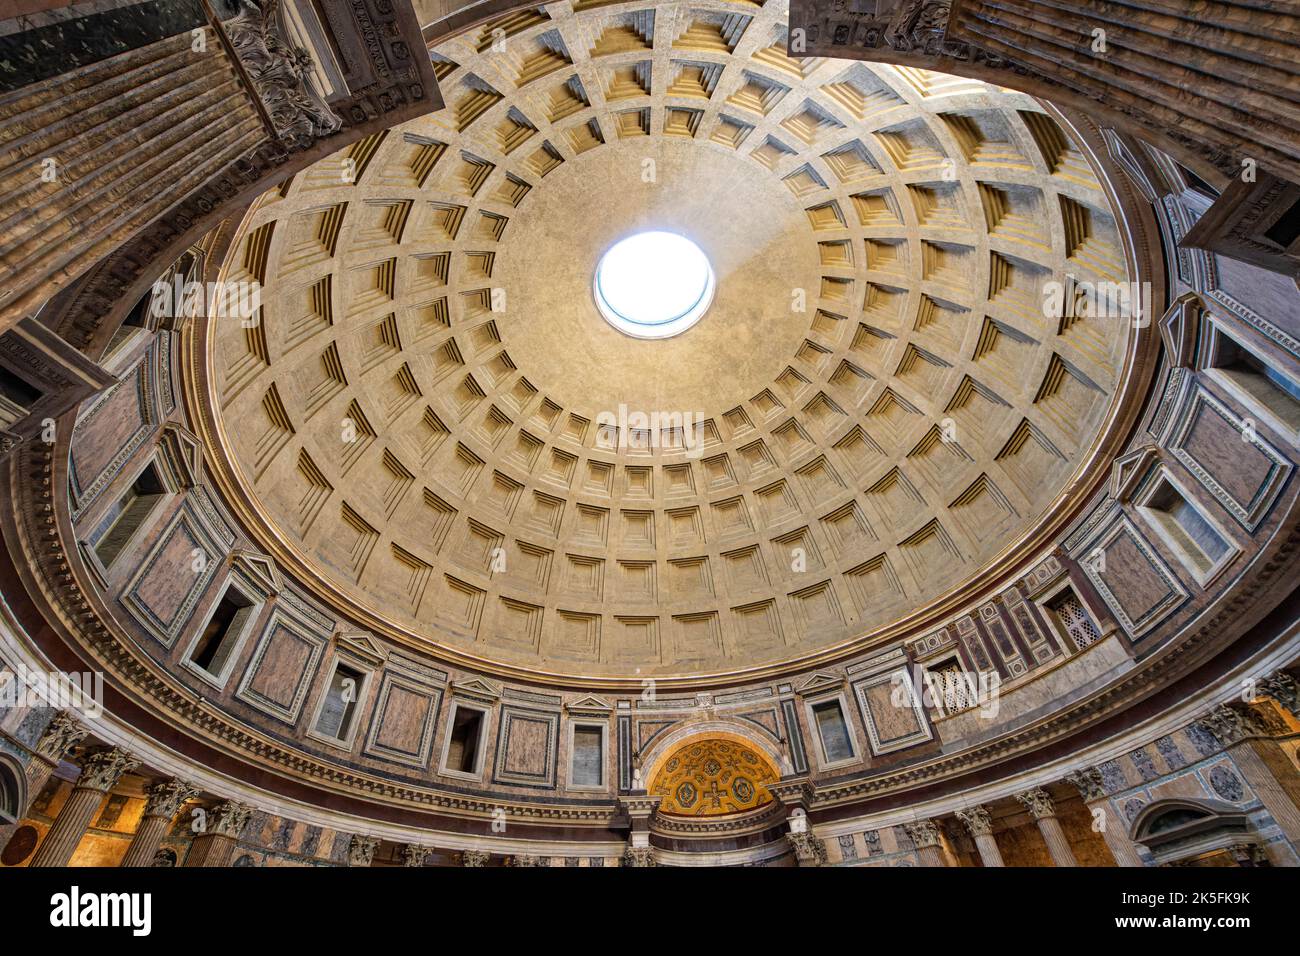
(713, 775)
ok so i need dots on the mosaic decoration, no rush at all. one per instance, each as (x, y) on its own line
(704, 778)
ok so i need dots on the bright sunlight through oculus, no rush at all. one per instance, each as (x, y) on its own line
(653, 285)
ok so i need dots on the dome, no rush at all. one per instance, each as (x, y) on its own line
(433, 420)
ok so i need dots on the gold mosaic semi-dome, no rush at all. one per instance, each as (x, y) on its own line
(886, 408)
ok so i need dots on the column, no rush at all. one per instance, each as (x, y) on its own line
(1088, 781)
(100, 772)
(361, 850)
(640, 812)
(165, 799)
(1246, 732)
(796, 796)
(215, 844)
(474, 857)
(62, 734)
(414, 855)
(1039, 804)
(980, 825)
(925, 837)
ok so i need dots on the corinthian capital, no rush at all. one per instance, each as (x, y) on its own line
(1038, 802)
(923, 833)
(1282, 687)
(1235, 721)
(104, 768)
(1088, 781)
(166, 797)
(808, 849)
(63, 732)
(413, 855)
(639, 856)
(474, 857)
(227, 819)
(977, 820)
(361, 850)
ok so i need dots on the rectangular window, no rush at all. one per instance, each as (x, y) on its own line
(128, 513)
(462, 748)
(340, 704)
(1268, 386)
(1195, 540)
(221, 634)
(833, 730)
(588, 756)
(951, 686)
(1073, 618)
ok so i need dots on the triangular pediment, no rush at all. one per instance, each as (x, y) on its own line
(1180, 327)
(363, 645)
(1130, 469)
(183, 453)
(259, 569)
(477, 687)
(589, 705)
(819, 681)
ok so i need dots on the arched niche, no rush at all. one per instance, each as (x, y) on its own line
(1187, 832)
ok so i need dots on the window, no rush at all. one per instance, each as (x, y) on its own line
(951, 686)
(588, 759)
(17, 396)
(463, 744)
(1277, 393)
(1198, 544)
(1073, 618)
(833, 730)
(213, 649)
(128, 513)
(1287, 228)
(339, 708)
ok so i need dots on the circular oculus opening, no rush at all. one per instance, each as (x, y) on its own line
(653, 285)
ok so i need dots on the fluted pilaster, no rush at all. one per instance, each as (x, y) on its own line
(165, 799)
(99, 774)
(1039, 804)
(980, 825)
(215, 843)
(1091, 786)
(925, 837)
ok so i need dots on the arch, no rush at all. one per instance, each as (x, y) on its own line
(1186, 830)
(726, 728)
(713, 775)
(13, 790)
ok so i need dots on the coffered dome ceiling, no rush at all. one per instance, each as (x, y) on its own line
(887, 411)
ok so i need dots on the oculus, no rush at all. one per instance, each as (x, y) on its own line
(653, 285)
